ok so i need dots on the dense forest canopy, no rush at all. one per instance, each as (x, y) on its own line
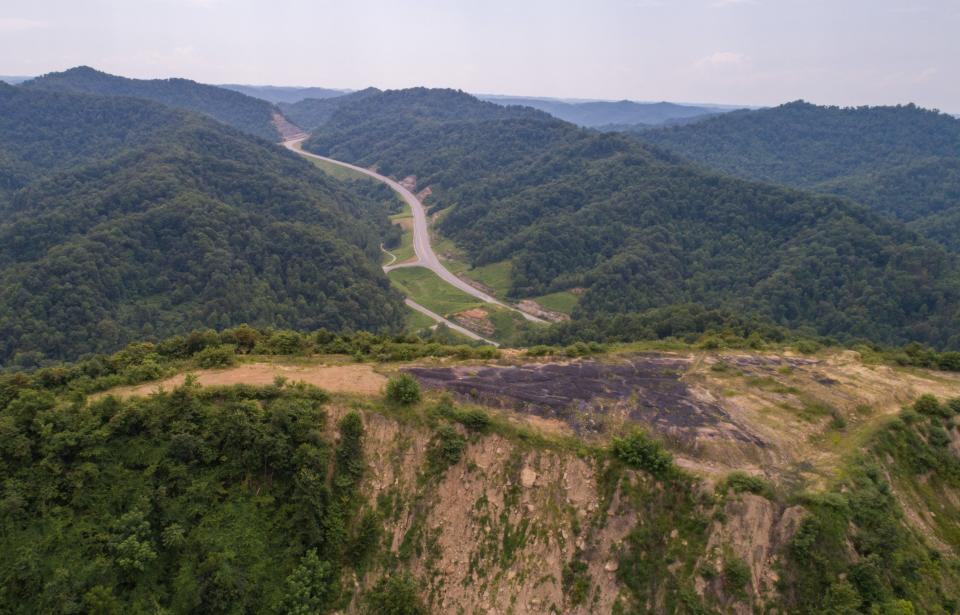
(125, 219)
(251, 115)
(639, 228)
(902, 161)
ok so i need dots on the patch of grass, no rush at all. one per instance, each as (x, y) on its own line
(427, 289)
(416, 321)
(563, 301)
(339, 172)
(496, 276)
(404, 251)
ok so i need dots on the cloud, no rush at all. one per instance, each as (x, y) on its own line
(722, 4)
(16, 24)
(723, 58)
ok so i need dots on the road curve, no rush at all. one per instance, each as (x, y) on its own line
(437, 317)
(426, 257)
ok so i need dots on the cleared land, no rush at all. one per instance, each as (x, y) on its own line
(427, 289)
(334, 378)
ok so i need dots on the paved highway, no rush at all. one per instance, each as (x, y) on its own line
(425, 256)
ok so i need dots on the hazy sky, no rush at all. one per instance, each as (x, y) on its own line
(762, 52)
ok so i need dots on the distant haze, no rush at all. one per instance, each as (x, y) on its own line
(756, 52)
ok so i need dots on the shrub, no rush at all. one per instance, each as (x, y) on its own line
(404, 389)
(927, 404)
(741, 482)
(394, 595)
(639, 451)
(475, 420)
(445, 449)
(215, 356)
(576, 582)
(736, 575)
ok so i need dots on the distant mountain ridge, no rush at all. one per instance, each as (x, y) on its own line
(901, 161)
(284, 94)
(595, 114)
(313, 112)
(251, 115)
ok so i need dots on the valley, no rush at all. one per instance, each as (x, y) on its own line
(373, 351)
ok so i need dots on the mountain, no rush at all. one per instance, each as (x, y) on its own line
(127, 219)
(595, 114)
(900, 161)
(639, 228)
(14, 80)
(283, 94)
(313, 112)
(251, 115)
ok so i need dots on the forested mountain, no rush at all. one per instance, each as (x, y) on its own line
(127, 219)
(248, 114)
(313, 112)
(283, 94)
(640, 228)
(901, 161)
(595, 114)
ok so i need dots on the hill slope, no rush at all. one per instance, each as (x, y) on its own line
(283, 94)
(248, 114)
(640, 229)
(165, 221)
(682, 482)
(602, 113)
(900, 161)
(310, 113)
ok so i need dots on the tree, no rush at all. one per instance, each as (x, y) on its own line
(312, 588)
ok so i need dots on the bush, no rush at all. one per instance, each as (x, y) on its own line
(741, 482)
(215, 356)
(394, 595)
(736, 575)
(445, 449)
(927, 404)
(404, 389)
(639, 451)
(474, 420)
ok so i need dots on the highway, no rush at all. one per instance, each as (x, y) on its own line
(425, 256)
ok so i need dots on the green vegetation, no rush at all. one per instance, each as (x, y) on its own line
(427, 289)
(310, 113)
(562, 301)
(404, 390)
(901, 161)
(339, 172)
(395, 595)
(217, 500)
(130, 220)
(638, 451)
(573, 208)
(495, 276)
(251, 115)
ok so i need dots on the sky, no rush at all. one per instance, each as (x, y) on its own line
(750, 52)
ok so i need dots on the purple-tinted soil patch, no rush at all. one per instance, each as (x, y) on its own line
(642, 388)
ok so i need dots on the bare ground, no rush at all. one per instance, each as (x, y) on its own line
(333, 378)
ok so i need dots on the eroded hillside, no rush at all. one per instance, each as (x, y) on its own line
(520, 484)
